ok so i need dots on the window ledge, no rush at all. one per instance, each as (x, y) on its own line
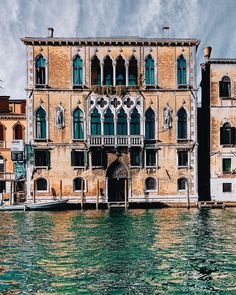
(41, 85)
(184, 167)
(79, 167)
(136, 167)
(227, 97)
(41, 167)
(39, 192)
(40, 139)
(97, 167)
(150, 191)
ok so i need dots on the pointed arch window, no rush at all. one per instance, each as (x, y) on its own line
(150, 124)
(108, 123)
(135, 123)
(120, 71)
(133, 71)
(108, 71)
(95, 123)
(95, 71)
(78, 124)
(225, 87)
(18, 131)
(122, 123)
(41, 126)
(40, 66)
(182, 124)
(2, 133)
(149, 71)
(41, 184)
(181, 71)
(77, 71)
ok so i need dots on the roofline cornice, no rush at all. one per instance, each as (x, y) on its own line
(132, 41)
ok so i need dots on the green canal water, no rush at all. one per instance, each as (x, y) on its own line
(162, 251)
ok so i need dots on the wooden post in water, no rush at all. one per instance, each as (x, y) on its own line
(125, 194)
(188, 200)
(97, 198)
(11, 194)
(33, 192)
(60, 189)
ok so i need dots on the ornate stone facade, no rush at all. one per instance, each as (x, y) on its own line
(94, 103)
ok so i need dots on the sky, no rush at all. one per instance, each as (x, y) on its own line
(211, 21)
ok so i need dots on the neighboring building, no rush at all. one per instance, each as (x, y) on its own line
(217, 144)
(112, 117)
(12, 127)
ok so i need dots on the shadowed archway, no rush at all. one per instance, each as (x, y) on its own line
(117, 175)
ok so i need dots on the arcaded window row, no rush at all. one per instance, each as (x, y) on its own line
(112, 73)
(81, 185)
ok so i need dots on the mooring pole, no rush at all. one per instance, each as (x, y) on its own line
(60, 189)
(125, 194)
(11, 195)
(33, 192)
(97, 199)
(188, 200)
(82, 200)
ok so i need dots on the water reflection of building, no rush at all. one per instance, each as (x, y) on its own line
(12, 127)
(120, 111)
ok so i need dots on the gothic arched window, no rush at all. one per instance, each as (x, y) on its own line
(18, 131)
(77, 71)
(225, 87)
(135, 123)
(78, 124)
(40, 66)
(95, 123)
(41, 126)
(2, 132)
(108, 71)
(120, 71)
(108, 123)
(150, 124)
(181, 71)
(133, 71)
(95, 71)
(122, 123)
(149, 71)
(182, 124)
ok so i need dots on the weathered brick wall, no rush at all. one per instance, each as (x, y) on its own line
(59, 91)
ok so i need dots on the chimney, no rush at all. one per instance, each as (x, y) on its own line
(50, 32)
(207, 52)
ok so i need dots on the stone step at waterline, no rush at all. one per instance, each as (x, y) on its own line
(116, 204)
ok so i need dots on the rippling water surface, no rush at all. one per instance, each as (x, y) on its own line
(165, 251)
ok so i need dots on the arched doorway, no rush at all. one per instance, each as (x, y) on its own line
(117, 175)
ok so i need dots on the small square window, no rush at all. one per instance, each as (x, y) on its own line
(227, 187)
(42, 158)
(135, 158)
(226, 165)
(182, 158)
(99, 158)
(150, 158)
(78, 158)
